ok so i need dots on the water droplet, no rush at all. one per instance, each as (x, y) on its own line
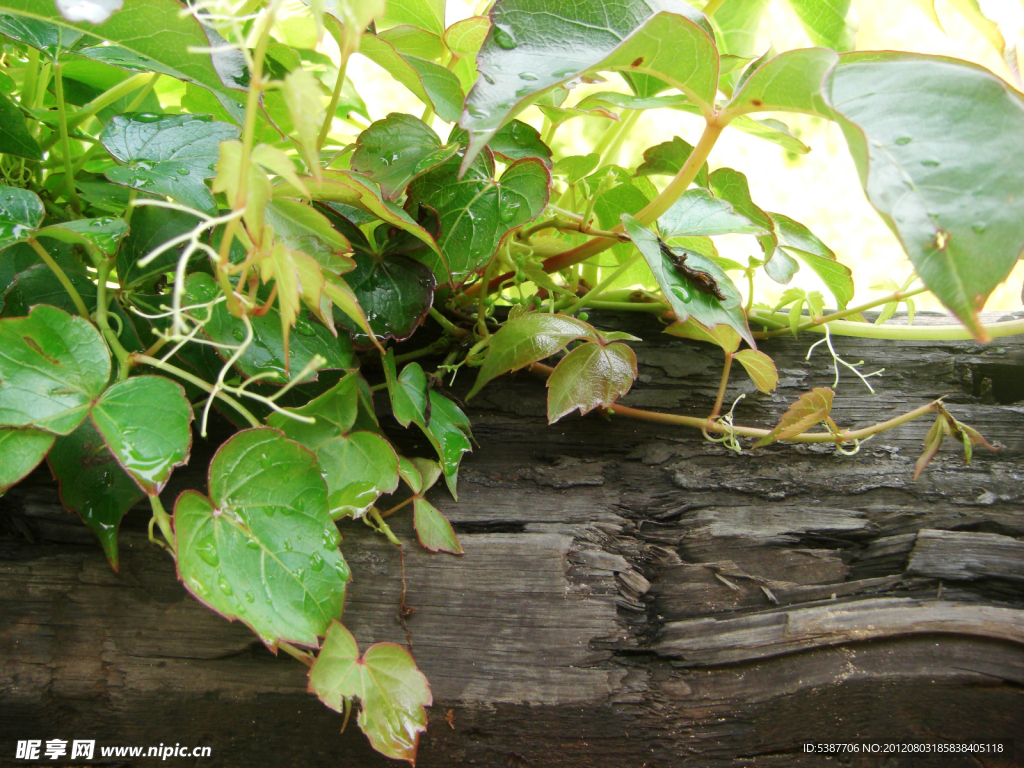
(529, 76)
(198, 588)
(182, 170)
(222, 583)
(508, 211)
(316, 561)
(249, 596)
(902, 140)
(304, 327)
(207, 551)
(486, 76)
(979, 228)
(504, 38)
(287, 545)
(331, 538)
(265, 461)
(239, 334)
(930, 163)
(252, 544)
(682, 293)
(478, 113)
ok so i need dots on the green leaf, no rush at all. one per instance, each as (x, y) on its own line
(410, 398)
(515, 140)
(575, 167)
(465, 37)
(14, 136)
(528, 339)
(262, 548)
(788, 82)
(732, 186)
(433, 529)
(358, 466)
(413, 41)
(809, 409)
(449, 433)
(303, 228)
(169, 155)
(151, 228)
(722, 335)
(425, 14)
(825, 22)
(667, 158)
(266, 352)
(22, 450)
(591, 376)
(781, 267)
(760, 367)
(48, 38)
(697, 212)
(52, 367)
(521, 57)
(392, 692)
(395, 292)
(476, 212)
(959, 131)
(431, 83)
(932, 443)
(117, 56)
(103, 233)
(21, 212)
(145, 421)
(93, 485)
(771, 130)
(157, 30)
(396, 150)
(687, 299)
(736, 24)
(804, 244)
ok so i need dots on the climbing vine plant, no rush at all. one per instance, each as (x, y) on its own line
(196, 215)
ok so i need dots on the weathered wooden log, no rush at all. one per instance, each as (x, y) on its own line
(631, 594)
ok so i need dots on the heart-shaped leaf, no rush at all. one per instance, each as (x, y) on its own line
(433, 529)
(21, 212)
(591, 376)
(396, 150)
(476, 212)
(93, 485)
(358, 466)
(145, 421)
(528, 339)
(392, 692)
(22, 450)
(52, 367)
(167, 155)
(521, 58)
(262, 548)
(410, 399)
(686, 296)
(697, 212)
(809, 409)
(760, 367)
(14, 136)
(449, 433)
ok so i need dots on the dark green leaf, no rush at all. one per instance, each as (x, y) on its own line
(449, 433)
(522, 58)
(151, 228)
(684, 295)
(395, 292)
(667, 158)
(515, 140)
(732, 186)
(157, 30)
(103, 233)
(392, 692)
(125, 59)
(825, 22)
(167, 155)
(696, 212)
(22, 450)
(145, 421)
(433, 529)
(48, 38)
(591, 376)
(14, 136)
(410, 398)
(476, 212)
(93, 485)
(21, 212)
(396, 150)
(432, 84)
(52, 367)
(803, 243)
(262, 548)
(528, 339)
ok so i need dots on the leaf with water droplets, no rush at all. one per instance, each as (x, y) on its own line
(515, 140)
(591, 376)
(476, 211)
(145, 421)
(256, 549)
(449, 432)
(433, 529)
(391, 691)
(628, 36)
(687, 297)
(396, 150)
(52, 366)
(358, 466)
(15, 139)
(21, 211)
(167, 155)
(22, 450)
(49, 38)
(408, 390)
(93, 485)
(104, 234)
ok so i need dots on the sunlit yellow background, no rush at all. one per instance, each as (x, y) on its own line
(820, 189)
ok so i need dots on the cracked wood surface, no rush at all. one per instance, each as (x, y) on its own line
(631, 594)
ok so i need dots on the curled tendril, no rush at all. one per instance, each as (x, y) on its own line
(729, 439)
(837, 361)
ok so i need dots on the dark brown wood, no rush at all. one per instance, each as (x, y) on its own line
(631, 594)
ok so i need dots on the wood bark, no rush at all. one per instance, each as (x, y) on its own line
(631, 594)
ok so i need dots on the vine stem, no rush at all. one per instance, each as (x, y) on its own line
(601, 286)
(711, 425)
(62, 278)
(900, 332)
(711, 7)
(65, 144)
(296, 653)
(120, 353)
(895, 296)
(722, 386)
(449, 327)
(164, 521)
(325, 129)
(135, 358)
